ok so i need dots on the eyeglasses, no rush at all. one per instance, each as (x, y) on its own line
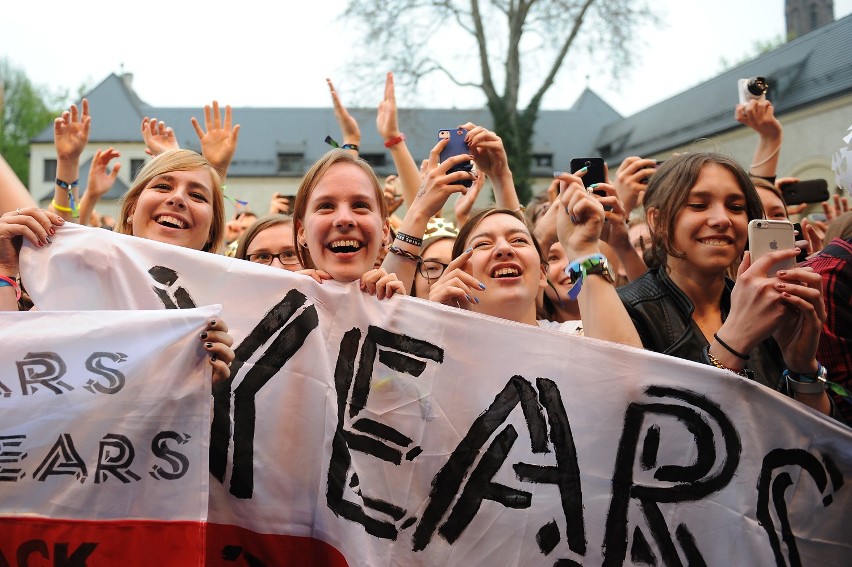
(431, 269)
(287, 258)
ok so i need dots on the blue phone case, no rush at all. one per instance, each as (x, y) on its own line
(456, 145)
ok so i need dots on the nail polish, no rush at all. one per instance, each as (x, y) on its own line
(208, 345)
(203, 336)
(212, 322)
(482, 286)
(584, 170)
(468, 250)
(557, 173)
(593, 185)
(469, 298)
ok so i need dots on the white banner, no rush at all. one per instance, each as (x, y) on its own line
(104, 425)
(403, 432)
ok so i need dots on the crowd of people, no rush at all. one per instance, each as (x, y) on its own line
(655, 257)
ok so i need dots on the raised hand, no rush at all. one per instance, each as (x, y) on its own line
(631, 180)
(71, 132)
(219, 142)
(158, 137)
(348, 125)
(387, 123)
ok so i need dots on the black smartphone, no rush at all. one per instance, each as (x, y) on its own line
(456, 146)
(595, 172)
(800, 235)
(808, 191)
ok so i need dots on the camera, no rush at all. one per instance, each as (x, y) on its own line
(752, 89)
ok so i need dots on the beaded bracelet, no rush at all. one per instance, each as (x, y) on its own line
(413, 240)
(6, 281)
(404, 254)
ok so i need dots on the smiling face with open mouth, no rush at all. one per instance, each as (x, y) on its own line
(343, 228)
(506, 260)
(176, 208)
(712, 226)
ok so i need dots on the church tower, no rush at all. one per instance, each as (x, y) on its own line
(804, 16)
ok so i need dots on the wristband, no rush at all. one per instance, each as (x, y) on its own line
(6, 281)
(350, 147)
(390, 142)
(579, 269)
(67, 186)
(807, 384)
(410, 239)
(59, 207)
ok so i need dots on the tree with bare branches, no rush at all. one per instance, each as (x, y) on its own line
(479, 43)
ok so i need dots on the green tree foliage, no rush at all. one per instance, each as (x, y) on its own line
(511, 50)
(25, 110)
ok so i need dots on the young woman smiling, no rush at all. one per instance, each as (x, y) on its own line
(176, 198)
(341, 223)
(499, 267)
(698, 208)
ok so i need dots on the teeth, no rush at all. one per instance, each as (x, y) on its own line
(170, 220)
(503, 272)
(714, 242)
(345, 244)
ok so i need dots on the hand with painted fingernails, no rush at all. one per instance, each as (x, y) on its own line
(456, 287)
(217, 343)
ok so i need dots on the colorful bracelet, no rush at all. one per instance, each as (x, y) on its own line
(67, 186)
(59, 207)
(407, 238)
(391, 142)
(351, 147)
(404, 254)
(6, 281)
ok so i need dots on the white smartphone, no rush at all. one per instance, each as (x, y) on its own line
(765, 236)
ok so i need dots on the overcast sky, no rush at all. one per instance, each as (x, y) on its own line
(252, 53)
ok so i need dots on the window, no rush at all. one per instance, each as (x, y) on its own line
(135, 166)
(814, 17)
(376, 160)
(50, 170)
(542, 160)
(290, 163)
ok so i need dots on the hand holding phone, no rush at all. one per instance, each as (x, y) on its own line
(765, 236)
(456, 146)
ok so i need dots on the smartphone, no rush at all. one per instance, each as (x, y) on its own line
(765, 236)
(808, 191)
(455, 147)
(595, 172)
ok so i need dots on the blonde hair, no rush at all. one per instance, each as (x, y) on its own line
(176, 160)
(312, 179)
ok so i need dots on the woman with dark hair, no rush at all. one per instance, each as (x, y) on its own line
(698, 208)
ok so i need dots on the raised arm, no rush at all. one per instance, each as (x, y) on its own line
(576, 218)
(13, 193)
(387, 125)
(490, 157)
(347, 123)
(158, 137)
(70, 136)
(219, 142)
(100, 182)
(437, 187)
(759, 115)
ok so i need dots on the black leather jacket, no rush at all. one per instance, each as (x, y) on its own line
(662, 314)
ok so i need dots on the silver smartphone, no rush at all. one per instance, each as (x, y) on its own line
(765, 236)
